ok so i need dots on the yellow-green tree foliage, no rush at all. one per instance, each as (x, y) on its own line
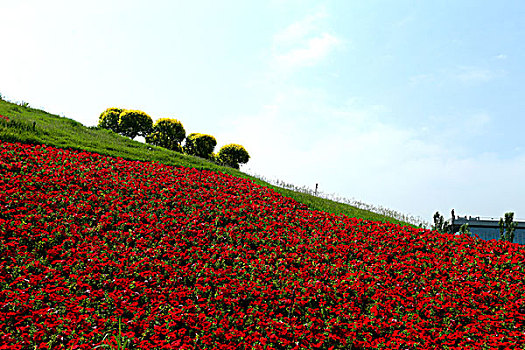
(133, 123)
(167, 133)
(200, 145)
(232, 155)
(109, 119)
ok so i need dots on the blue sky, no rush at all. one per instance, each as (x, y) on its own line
(415, 106)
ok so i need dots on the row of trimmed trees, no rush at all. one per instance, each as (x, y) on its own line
(170, 134)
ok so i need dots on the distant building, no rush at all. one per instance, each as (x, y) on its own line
(486, 228)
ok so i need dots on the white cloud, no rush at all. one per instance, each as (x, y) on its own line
(297, 31)
(303, 43)
(467, 75)
(421, 78)
(476, 75)
(405, 21)
(477, 123)
(315, 50)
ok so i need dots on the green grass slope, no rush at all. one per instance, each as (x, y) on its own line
(29, 125)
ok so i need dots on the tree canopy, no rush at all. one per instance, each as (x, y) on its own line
(109, 119)
(200, 145)
(133, 123)
(167, 133)
(232, 155)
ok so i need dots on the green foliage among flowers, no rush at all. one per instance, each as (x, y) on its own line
(232, 155)
(167, 133)
(200, 145)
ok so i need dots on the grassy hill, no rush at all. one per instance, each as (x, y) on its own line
(28, 125)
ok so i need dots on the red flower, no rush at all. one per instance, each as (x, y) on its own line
(186, 259)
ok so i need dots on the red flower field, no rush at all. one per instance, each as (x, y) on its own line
(191, 259)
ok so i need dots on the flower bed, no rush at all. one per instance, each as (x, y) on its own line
(194, 259)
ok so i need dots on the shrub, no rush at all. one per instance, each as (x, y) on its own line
(464, 230)
(200, 145)
(133, 123)
(232, 155)
(109, 119)
(167, 133)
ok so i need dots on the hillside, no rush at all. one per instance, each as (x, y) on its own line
(97, 249)
(66, 133)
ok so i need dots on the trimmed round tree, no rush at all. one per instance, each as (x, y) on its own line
(109, 119)
(167, 133)
(133, 123)
(232, 155)
(200, 145)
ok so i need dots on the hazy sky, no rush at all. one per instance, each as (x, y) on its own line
(415, 106)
